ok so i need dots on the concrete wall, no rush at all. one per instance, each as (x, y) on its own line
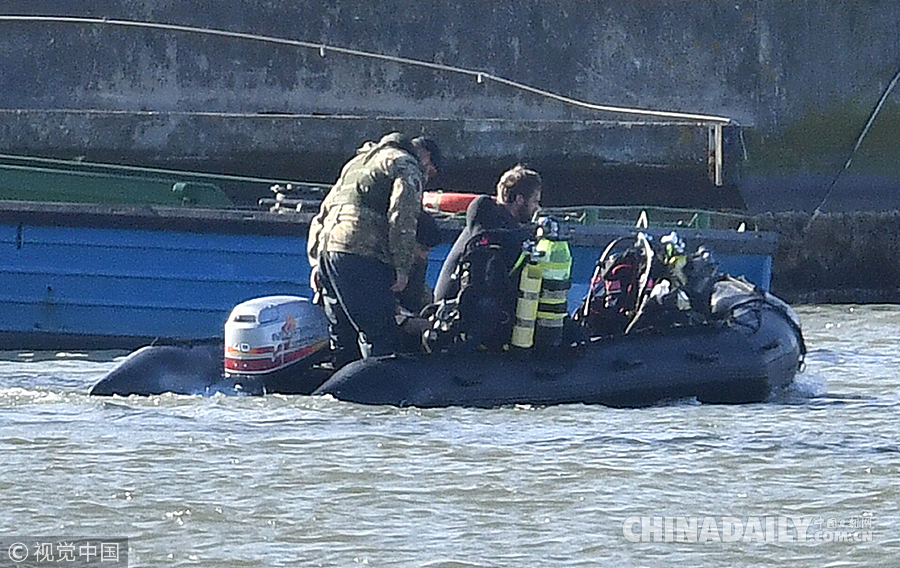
(800, 76)
(836, 257)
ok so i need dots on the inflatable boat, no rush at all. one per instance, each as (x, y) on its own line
(751, 348)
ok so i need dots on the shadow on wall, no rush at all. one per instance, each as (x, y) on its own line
(566, 182)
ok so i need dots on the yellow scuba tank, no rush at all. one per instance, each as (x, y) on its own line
(555, 263)
(527, 304)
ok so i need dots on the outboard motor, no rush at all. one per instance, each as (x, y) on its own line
(274, 335)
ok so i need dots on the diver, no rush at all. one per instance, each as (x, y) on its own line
(517, 200)
(475, 296)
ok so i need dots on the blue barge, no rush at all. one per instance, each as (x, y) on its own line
(89, 276)
(95, 276)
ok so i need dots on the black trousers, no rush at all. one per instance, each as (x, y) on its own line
(361, 286)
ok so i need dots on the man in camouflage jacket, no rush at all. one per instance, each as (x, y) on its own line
(361, 244)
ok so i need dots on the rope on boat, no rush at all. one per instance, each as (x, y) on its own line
(323, 49)
(35, 162)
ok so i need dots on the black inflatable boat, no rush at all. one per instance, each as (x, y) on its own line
(752, 347)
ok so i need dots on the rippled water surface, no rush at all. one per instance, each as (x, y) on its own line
(279, 481)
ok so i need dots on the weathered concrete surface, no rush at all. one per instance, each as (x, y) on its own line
(800, 76)
(836, 257)
(582, 161)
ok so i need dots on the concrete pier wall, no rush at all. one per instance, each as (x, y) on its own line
(800, 77)
(836, 257)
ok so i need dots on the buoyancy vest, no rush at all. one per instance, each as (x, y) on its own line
(488, 285)
(616, 287)
(483, 311)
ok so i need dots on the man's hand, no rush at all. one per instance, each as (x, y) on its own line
(314, 283)
(400, 283)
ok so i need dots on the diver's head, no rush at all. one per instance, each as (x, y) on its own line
(519, 190)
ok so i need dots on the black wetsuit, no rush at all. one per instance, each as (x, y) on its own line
(483, 214)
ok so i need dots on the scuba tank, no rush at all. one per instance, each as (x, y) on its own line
(527, 304)
(555, 263)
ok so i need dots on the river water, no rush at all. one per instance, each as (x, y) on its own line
(305, 481)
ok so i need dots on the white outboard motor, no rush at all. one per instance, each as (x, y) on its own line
(272, 334)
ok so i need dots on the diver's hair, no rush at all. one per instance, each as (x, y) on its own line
(516, 181)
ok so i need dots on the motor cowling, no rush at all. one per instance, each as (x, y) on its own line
(270, 334)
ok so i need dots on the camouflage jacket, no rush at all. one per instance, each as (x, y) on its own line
(372, 208)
